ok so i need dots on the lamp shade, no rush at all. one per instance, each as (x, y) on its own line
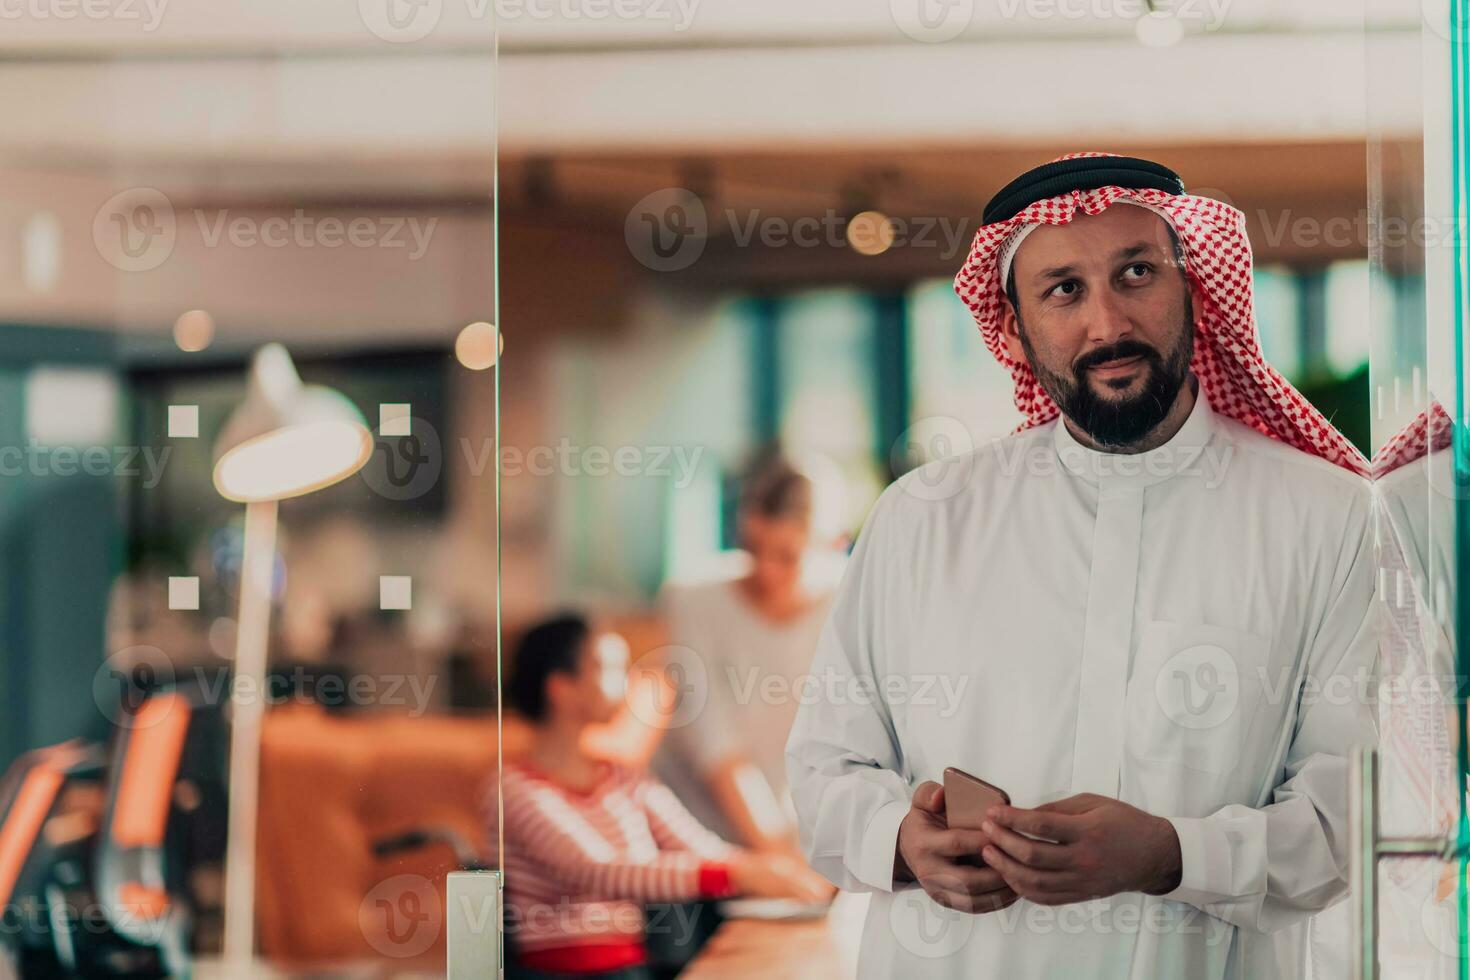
(287, 439)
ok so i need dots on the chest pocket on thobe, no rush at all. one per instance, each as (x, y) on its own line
(1194, 693)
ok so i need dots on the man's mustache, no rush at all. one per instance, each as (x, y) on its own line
(1115, 352)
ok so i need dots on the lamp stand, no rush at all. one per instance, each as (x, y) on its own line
(257, 568)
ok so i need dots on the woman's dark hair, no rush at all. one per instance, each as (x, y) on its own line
(552, 646)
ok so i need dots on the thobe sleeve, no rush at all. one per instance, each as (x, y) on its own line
(1269, 868)
(842, 757)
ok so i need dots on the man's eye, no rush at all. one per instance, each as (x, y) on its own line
(1137, 270)
(1065, 288)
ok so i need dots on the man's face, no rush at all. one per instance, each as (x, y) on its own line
(1106, 320)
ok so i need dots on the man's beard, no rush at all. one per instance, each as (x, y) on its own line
(1119, 422)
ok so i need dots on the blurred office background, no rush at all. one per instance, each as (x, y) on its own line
(169, 189)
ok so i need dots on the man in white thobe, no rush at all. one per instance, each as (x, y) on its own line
(1155, 602)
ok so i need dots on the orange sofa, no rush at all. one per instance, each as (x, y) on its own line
(329, 788)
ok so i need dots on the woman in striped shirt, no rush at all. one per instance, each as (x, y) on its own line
(588, 843)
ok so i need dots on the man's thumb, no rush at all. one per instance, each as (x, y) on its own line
(930, 796)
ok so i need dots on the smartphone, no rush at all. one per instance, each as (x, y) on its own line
(967, 797)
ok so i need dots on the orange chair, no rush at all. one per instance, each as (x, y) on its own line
(95, 848)
(141, 880)
(36, 856)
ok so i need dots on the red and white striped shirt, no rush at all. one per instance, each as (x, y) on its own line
(579, 865)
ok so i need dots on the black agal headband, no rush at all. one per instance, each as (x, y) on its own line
(1078, 174)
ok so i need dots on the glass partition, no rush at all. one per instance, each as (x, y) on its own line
(249, 343)
(256, 489)
(740, 257)
(1416, 244)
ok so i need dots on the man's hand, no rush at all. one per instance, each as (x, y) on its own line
(1091, 847)
(938, 858)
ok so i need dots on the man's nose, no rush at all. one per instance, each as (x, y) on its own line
(1107, 321)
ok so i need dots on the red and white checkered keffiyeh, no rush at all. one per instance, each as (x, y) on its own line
(1227, 352)
(1429, 432)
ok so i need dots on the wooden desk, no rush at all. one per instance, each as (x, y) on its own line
(823, 949)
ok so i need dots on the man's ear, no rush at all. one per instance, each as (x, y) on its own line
(1010, 329)
(1199, 301)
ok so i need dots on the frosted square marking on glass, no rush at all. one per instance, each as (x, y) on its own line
(395, 592)
(183, 421)
(393, 419)
(183, 592)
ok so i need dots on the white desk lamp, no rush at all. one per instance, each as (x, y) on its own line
(285, 440)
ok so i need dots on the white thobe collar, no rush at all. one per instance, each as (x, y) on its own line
(1124, 471)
